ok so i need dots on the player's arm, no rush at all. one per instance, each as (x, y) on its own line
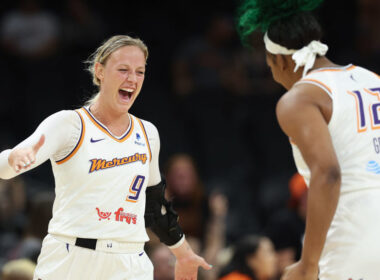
(302, 118)
(52, 136)
(161, 218)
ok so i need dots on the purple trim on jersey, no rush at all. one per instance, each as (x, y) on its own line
(146, 138)
(79, 140)
(105, 128)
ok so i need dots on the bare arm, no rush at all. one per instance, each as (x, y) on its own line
(302, 117)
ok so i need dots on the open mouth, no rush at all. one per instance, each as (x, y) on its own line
(126, 94)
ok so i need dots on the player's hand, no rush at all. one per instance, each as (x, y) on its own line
(187, 263)
(23, 158)
(186, 268)
(299, 271)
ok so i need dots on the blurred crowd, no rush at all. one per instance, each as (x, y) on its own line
(228, 166)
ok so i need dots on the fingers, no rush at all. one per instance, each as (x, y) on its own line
(24, 162)
(39, 144)
(205, 265)
(23, 158)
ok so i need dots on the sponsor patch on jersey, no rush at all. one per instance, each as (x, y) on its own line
(118, 216)
(123, 216)
(100, 164)
(138, 140)
(373, 167)
(103, 215)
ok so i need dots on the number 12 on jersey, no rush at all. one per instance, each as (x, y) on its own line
(135, 188)
(374, 109)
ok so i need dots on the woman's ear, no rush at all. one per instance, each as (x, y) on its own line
(99, 71)
(281, 62)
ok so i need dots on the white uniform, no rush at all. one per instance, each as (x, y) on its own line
(352, 248)
(100, 194)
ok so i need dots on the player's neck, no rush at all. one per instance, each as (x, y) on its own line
(322, 62)
(118, 124)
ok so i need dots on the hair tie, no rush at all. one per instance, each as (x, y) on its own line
(302, 57)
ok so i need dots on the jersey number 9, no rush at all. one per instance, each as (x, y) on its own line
(135, 188)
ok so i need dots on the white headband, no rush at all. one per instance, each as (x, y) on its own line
(302, 57)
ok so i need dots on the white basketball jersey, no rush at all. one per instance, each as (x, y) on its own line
(100, 186)
(354, 126)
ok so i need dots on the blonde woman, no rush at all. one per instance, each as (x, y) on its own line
(108, 183)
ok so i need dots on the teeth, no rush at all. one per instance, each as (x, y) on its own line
(127, 89)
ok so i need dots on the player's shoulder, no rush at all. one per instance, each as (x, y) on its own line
(150, 129)
(67, 120)
(64, 116)
(299, 98)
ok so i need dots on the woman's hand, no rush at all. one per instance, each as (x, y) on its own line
(187, 263)
(23, 158)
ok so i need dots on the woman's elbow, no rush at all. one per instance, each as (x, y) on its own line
(333, 175)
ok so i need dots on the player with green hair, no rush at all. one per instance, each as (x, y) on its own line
(331, 115)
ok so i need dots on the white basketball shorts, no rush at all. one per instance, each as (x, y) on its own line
(60, 260)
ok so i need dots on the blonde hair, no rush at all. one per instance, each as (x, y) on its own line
(18, 268)
(103, 52)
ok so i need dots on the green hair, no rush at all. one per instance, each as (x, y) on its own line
(260, 14)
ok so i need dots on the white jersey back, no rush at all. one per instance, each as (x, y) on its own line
(354, 126)
(100, 186)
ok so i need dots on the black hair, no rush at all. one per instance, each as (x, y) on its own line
(288, 22)
(242, 250)
(295, 31)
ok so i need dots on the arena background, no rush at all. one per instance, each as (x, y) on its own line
(208, 96)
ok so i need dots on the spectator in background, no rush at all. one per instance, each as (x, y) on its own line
(215, 236)
(202, 217)
(200, 62)
(186, 191)
(82, 27)
(12, 219)
(207, 75)
(21, 269)
(39, 215)
(163, 262)
(254, 258)
(29, 36)
(286, 227)
(29, 31)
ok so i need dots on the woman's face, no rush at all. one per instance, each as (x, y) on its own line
(263, 262)
(274, 67)
(282, 67)
(122, 77)
(182, 177)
